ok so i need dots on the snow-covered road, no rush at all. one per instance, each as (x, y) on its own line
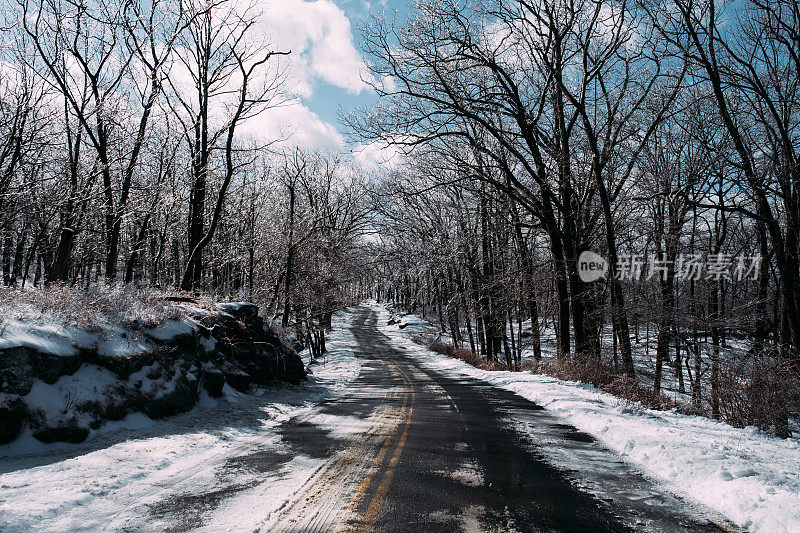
(746, 475)
(384, 437)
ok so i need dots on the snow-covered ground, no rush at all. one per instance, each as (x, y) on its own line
(749, 477)
(128, 470)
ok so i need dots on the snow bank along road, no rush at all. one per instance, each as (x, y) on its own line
(402, 448)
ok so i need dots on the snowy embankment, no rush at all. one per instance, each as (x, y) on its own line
(751, 478)
(66, 372)
(133, 473)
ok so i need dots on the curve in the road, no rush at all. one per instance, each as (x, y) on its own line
(435, 452)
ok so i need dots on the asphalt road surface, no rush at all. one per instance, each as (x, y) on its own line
(433, 453)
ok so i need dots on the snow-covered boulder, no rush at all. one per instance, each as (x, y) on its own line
(178, 396)
(246, 346)
(239, 309)
(65, 381)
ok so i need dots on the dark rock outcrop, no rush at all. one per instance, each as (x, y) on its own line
(245, 345)
(69, 433)
(180, 399)
(17, 371)
(213, 382)
(296, 344)
(231, 345)
(50, 367)
(12, 415)
(239, 380)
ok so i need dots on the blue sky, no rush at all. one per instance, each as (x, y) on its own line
(327, 67)
(327, 98)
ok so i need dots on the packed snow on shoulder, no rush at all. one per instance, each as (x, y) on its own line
(750, 477)
(131, 473)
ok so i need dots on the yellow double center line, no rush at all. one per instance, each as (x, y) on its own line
(375, 504)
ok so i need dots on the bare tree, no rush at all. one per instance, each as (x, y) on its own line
(229, 83)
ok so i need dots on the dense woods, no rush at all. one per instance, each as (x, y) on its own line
(662, 136)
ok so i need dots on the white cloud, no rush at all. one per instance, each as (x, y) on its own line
(319, 35)
(378, 155)
(320, 38)
(293, 124)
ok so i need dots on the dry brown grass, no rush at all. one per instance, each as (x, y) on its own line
(466, 355)
(570, 368)
(89, 308)
(599, 373)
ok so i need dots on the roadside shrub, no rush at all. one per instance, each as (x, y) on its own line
(754, 391)
(573, 367)
(632, 391)
(601, 374)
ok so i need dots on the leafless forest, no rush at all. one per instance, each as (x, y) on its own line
(524, 132)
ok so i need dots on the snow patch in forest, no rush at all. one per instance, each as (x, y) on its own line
(748, 476)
